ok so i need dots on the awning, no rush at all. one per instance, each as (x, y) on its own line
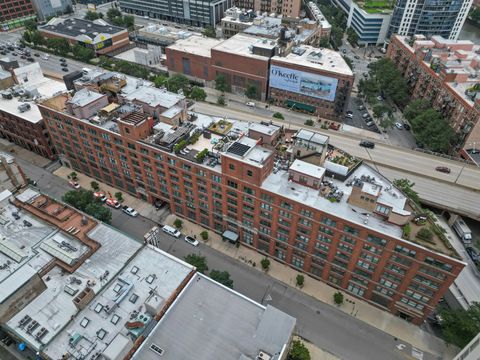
(230, 236)
(299, 106)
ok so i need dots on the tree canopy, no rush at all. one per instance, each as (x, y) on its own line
(406, 186)
(198, 94)
(433, 131)
(84, 201)
(209, 31)
(459, 327)
(223, 277)
(221, 83)
(82, 53)
(178, 82)
(92, 15)
(298, 351)
(198, 261)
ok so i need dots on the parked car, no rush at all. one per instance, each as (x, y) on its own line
(379, 98)
(474, 255)
(63, 60)
(406, 126)
(250, 104)
(129, 211)
(36, 54)
(399, 126)
(344, 51)
(357, 57)
(361, 107)
(367, 144)
(100, 196)
(74, 184)
(171, 231)
(65, 69)
(370, 123)
(191, 240)
(113, 203)
(30, 59)
(443, 169)
(350, 114)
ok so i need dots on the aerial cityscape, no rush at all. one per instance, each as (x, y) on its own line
(244, 180)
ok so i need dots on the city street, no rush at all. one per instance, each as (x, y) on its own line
(324, 325)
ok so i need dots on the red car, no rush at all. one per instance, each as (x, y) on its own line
(113, 203)
(100, 196)
(443, 169)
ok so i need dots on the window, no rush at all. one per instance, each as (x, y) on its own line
(231, 166)
(405, 251)
(350, 230)
(329, 222)
(133, 298)
(98, 308)
(249, 173)
(115, 319)
(232, 184)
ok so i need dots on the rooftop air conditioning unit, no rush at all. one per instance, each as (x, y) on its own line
(263, 356)
(24, 107)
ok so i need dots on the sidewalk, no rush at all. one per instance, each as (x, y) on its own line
(22, 153)
(144, 208)
(360, 309)
(315, 352)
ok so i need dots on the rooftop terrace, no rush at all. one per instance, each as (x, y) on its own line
(376, 6)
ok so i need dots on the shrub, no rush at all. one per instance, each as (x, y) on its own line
(425, 234)
(407, 229)
(74, 175)
(338, 298)
(278, 115)
(265, 264)
(221, 100)
(204, 235)
(94, 185)
(309, 122)
(201, 155)
(119, 196)
(298, 351)
(178, 223)
(300, 280)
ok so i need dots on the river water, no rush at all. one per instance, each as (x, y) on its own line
(470, 32)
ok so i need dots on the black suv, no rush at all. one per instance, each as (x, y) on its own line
(367, 144)
(473, 254)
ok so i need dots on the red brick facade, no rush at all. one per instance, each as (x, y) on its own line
(195, 66)
(15, 9)
(398, 276)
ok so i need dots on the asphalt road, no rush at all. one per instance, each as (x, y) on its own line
(320, 323)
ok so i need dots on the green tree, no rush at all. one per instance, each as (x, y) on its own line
(82, 53)
(37, 38)
(84, 201)
(178, 82)
(433, 131)
(160, 81)
(27, 37)
(352, 36)
(425, 234)
(30, 25)
(300, 280)
(73, 175)
(279, 116)
(119, 196)
(128, 21)
(200, 262)
(406, 186)
(387, 122)
(204, 235)
(221, 83)
(336, 35)
(475, 14)
(178, 223)
(223, 277)
(265, 264)
(338, 298)
(113, 13)
(59, 46)
(298, 351)
(251, 92)
(309, 122)
(221, 100)
(348, 61)
(324, 43)
(91, 15)
(198, 94)
(380, 109)
(415, 108)
(459, 327)
(209, 31)
(94, 185)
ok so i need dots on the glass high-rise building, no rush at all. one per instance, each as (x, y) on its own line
(429, 17)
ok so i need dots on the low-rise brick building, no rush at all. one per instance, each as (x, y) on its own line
(447, 74)
(311, 206)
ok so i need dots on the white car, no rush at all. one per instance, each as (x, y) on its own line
(379, 98)
(399, 126)
(129, 211)
(191, 240)
(250, 104)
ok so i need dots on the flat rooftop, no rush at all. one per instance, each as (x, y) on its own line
(196, 45)
(126, 306)
(153, 96)
(73, 27)
(209, 321)
(322, 59)
(53, 309)
(241, 44)
(35, 87)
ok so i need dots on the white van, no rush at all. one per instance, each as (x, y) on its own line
(171, 231)
(250, 104)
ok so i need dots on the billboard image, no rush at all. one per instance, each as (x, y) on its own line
(317, 86)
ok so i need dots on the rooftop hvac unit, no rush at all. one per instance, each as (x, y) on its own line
(263, 356)
(24, 107)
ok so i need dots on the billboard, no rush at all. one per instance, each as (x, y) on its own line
(317, 86)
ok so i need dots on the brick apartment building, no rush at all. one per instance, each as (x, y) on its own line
(247, 60)
(13, 13)
(20, 119)
(344, 229)
(287, 8)
(446, 73)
